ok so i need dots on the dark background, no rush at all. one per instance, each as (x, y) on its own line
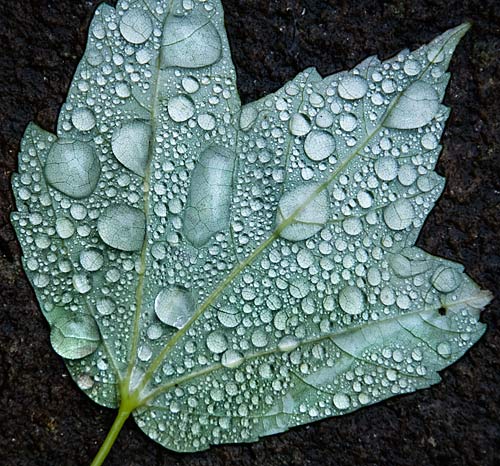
(45, 420)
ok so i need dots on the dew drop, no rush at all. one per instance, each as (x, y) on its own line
(352, 300)
(136, 26)
(348, 122)
(91, 259)
(83, 119)
(319, 145)
(445, 279)
(444, 350)
(416, 107)
(105, 306)
(300, 124)
(174, 306)
(190, 84)
(180, 108)
(341, 401)
(130, 145)
(386, 168)
(75, 337)
(122, 227)
(352, 87)
(310, 219)
(73, 168)
(399, 215)
(217, 342)
(231, 359)
(191, 41)
(65, 228)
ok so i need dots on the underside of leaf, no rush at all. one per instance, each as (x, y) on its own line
(241, 270)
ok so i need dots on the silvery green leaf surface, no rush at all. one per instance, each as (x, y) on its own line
(240, 270)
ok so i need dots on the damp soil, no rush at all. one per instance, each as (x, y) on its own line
(45, 420)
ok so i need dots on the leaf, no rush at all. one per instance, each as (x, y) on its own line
(227, 272)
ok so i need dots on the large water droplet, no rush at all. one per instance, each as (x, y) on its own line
(352, 300)
(174, 306)
(386, 168)
(445, 279)
(217, 342)
(72, 168)
(341, 401)
(319, 145)
(416, 107)
(122, 227)
(75, 337)
(352, 87)
(180, 108)
(310, 220)
(190, 42)
(130, 145)
(399, 215)
(209, 198)
(83, 119)
(91, 259)
(136, 26)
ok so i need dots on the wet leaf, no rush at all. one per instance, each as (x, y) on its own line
(230, 272)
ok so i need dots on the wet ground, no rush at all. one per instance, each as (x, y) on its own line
(45, 420)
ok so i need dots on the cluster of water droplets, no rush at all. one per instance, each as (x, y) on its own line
(158, 187)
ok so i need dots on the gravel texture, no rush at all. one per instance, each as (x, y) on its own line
(46, 420)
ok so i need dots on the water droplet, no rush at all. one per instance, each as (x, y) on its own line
(75, 337)
(319, 145)
(190, 84)
(229, 317)
(180, 108)
(399, 215)
(407, 175)
(445, 279)
(72, 168)
(217, 342)
(341, 401)
(386, 168)
(174, 306)
(416, 107)
(209, 198)
(83, 119)
(207, 121)
(288, 343)
(429, 141)
(324, 119)
(190, 41)
(91, 259)
(348, 122)
(130, 144)
(231, 359)
(311, 219)
(65, 228)
(300, 124)
(352, 300)
(82, 283)
(105, 306)
(352, 87)
(444, 350)
(136, 26)
(122, 227)
(412, 67)
(247, 118)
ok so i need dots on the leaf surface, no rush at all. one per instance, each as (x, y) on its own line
(240, 270)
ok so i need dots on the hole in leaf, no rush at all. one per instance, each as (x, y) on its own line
(442, 311)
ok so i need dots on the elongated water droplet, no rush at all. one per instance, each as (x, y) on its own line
(130, 145)
(210, 192)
